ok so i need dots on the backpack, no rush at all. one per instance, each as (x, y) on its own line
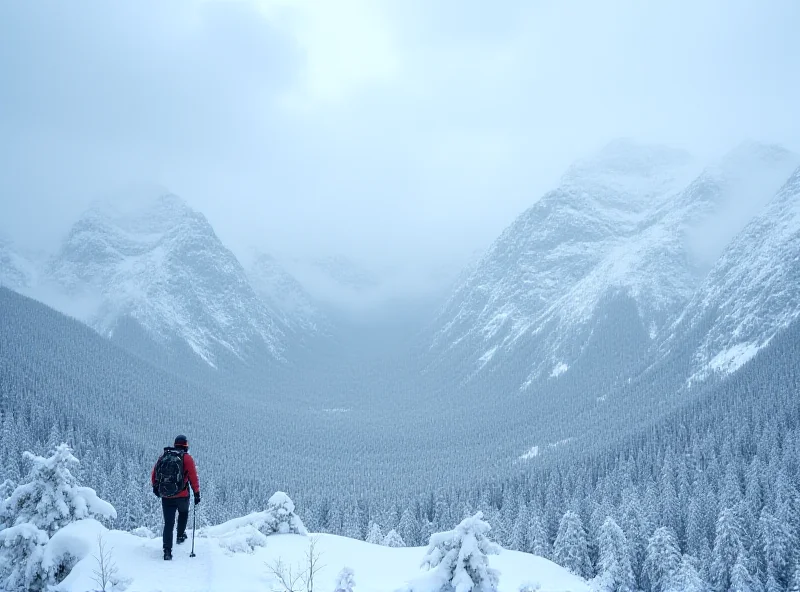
(169, 473)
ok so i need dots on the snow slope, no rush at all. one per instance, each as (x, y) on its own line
(217, 568)
(750, 294)
(155, 260)
(281, 291)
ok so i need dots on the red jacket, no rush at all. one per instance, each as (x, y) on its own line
(189, 476)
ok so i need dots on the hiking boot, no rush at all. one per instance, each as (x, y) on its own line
(181, 538)
(167, 554)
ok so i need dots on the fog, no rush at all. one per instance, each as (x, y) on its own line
(405, 135)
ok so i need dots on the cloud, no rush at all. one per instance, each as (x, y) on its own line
(347, 45)
(403, 134)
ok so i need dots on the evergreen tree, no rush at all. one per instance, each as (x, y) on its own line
(776, 546)
(49, 499)
(614, 567)
(728, 550)
(519, 533)
(459, 557)
(570, 549)
(393, 539)
(741, 579)
(538, 541)
(662, 559)
(374, 534)
(686, 579)
(408, 528)
(280, 517)
(351, 527)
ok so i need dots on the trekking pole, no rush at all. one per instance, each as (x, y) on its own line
(194, 524)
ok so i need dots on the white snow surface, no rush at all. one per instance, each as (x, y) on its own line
(225, 568)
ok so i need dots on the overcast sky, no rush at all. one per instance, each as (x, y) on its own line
(408, 132)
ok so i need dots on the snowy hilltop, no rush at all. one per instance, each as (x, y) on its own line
(53, 538)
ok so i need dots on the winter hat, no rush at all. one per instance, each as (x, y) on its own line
(181, 441)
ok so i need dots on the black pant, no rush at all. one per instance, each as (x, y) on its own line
(169, 505)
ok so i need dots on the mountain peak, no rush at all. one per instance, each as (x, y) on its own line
(625, 170)
(146, 210)
(625, 156)
(750, 151)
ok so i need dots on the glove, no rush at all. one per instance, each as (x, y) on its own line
(155, 490)
(196, 498)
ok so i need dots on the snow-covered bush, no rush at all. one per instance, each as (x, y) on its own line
(458, 558)
(21, 550)
(246, 533)
(243, 540)
(530, 586)
(393, 539)
(143, 532)
(48, 500)
(345, 581)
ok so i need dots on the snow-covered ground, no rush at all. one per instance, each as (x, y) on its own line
(216, 568)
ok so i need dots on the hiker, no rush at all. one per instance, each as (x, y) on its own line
(172, 474)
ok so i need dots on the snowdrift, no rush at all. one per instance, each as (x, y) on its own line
(219, 568)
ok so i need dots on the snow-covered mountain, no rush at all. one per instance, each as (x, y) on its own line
(281, 291)
(596, 241)
(594, 272)
(155, 261)
(751, 294)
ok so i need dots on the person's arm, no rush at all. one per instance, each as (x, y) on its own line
(191, 472)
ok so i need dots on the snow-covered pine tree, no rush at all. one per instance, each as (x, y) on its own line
(334, 520)
(614, 566)
(570, 549)
(408, 528)
(741, 578)
(662, 559)
(49, 499)
(280, 516)
(633, 524)
(345, 581)
(538, 541)
(728, 549)
(459, 557)
(776, 546)
(686, 579)
(519, 532)
(351, 527)
(374, 534)
(393, 539)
